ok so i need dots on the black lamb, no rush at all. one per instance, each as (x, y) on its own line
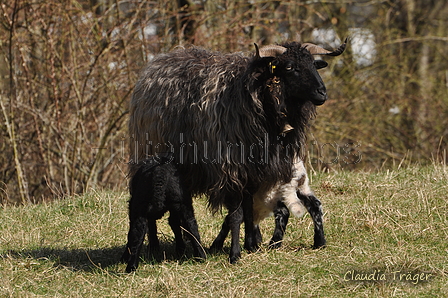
(155, 188)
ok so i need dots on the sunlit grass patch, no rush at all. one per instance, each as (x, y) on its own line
(379, 226)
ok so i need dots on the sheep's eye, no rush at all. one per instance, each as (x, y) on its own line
(288, 68)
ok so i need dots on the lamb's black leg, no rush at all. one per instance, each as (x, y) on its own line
(252, 242)
(174, 221)
(125, 256)
(153, 245)
(314, 207)
(218, 243)
(281, 214)
(136, 236)
(232, 223)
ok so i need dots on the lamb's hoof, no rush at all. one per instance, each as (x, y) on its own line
(200, 255)
(216, 247)
(199, 259)
(125, 257)
(130, 268)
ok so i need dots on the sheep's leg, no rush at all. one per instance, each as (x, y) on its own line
(175, 223)
(314, 207)
(235, 219)
(250, 240)
(218, 243)
(257, 234)
(192, 230)
(255, 237)
(136, 236)
(281, 214)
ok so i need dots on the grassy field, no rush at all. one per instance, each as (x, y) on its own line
(390, 227)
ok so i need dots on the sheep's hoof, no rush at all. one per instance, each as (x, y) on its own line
(234, 259)
(251, 244)
(319, 243)
(251, 248)
(275, 244)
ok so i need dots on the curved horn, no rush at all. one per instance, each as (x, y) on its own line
(269, 51)
(316, 50)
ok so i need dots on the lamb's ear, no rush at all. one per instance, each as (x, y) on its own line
(320, 64)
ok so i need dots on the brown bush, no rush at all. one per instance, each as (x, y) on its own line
(68, 69)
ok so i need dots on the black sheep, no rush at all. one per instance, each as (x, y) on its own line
(222, 115)
(155, 188)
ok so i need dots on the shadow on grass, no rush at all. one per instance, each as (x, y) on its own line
(73, 259)
(89, 260)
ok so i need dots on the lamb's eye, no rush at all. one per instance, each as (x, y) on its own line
(288, 67)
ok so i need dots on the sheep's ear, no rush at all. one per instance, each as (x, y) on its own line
(320, 64)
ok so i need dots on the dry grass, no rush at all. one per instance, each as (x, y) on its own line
(386, 222)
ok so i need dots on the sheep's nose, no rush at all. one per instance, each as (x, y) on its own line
(319, 96)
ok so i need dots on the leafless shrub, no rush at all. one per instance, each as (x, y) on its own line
(68, 67)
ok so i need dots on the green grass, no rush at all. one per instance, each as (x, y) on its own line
(386, 222)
